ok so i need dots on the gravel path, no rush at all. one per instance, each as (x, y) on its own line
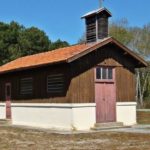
(21, 138)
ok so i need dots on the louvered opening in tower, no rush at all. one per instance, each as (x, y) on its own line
(102, 26)
(91, 29)
(97, 24)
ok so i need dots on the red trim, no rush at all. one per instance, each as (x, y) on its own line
(105, 80)
(8, 100)
(7, 97)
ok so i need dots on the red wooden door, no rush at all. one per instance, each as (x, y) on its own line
(105, 94)
(8, 100)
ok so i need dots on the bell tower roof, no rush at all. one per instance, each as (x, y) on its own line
(97, 12)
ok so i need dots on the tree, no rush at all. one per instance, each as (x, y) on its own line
(141, 40)
(8, 39)
(142, 85)
(82, 40)
(17, 41)
(32, 41)
(58, 44)
(119, 30)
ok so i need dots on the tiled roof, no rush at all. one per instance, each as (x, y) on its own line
(67, 54)
(49, 57)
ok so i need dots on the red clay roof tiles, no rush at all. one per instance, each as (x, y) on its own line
(49, 57)
(66, 54)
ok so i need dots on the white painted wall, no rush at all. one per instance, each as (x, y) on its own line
(126, 112)
(2, 111)
(56, 116)
(84, 116)
(65, 116)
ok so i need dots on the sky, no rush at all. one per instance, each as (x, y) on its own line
(61, 19)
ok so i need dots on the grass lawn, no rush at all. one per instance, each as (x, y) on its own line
(13, 138)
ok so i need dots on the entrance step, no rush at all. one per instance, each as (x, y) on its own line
(109, 125)
(5, 122)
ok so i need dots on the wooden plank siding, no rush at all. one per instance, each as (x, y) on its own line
(143, 116)
(125, 85)
(79, 78)
(40, 93)
(82, 88)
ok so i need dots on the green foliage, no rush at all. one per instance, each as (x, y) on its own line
(141, 40)
(82, 40)
(33, 41)
(8, 39)
(17, 41)
(135, 38)
(58, 44)
(119, 30)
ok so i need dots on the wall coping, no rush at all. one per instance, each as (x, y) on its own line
(2, 104)
(53, 105)
(126, 103)
(145, 110)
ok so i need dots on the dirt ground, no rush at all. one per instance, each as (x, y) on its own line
(14, 138)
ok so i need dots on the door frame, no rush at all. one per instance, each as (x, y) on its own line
(113, 80)
(8, 100)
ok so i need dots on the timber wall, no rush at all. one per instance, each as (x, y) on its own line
(143, 116)
(79, 79)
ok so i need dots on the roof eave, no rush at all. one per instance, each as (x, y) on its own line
(141, 61)
(31, 67)
(88, 50)
(97, 12)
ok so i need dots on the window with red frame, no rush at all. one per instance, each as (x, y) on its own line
(104, 73)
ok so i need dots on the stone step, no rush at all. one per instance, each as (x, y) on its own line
(5, 122)
(109, 125)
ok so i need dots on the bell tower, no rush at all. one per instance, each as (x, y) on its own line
(97, 24)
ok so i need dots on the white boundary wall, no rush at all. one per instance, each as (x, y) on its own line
(2, 111)
(126, 112)
(65, 116)
(55, 116)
